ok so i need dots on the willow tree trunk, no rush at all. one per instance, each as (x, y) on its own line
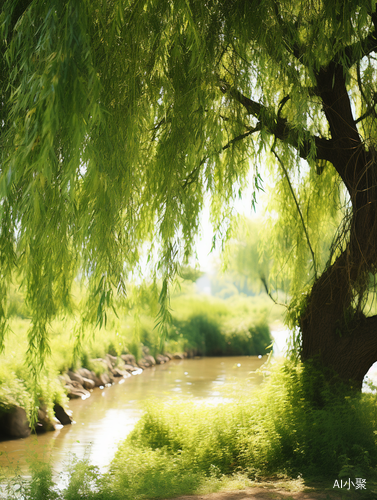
(342, 340)
(334, 329)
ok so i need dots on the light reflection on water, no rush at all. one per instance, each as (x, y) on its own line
(109, 415)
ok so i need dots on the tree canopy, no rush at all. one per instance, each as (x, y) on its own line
(117, 117)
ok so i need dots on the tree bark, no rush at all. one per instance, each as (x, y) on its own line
(334, 329)
(339, 338)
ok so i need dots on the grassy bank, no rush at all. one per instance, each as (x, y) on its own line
(200, 324)
(294, 426)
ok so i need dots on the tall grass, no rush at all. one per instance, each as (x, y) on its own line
(218, 327)
(289, 427)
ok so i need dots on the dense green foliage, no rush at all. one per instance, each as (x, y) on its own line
(238, 325)
(295, 425)
(117, 117)
(209, 340)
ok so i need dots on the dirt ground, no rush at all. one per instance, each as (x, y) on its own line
(271, 493)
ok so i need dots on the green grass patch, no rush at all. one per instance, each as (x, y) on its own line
(205, 325)
(287, 428)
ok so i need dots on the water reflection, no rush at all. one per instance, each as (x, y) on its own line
(109, 415)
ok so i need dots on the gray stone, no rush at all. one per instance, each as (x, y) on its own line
(84, 372)
(91, 376)
(150, 359)
(62, 415)
(143, 363)
(44, 423)
(121, 373)
(14, 423)
(105, 379)
(112, 359)
(129, 359)
(129, 368)
(76, 390)
(88, 383)
(75, 377)
(96, 379)
(161, 359)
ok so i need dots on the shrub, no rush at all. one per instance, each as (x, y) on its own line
(204, 332)
(284, 428)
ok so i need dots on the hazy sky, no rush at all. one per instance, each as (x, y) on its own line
(242, 206)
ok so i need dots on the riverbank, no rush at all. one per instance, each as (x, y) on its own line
(97, 374)
(203, 325)
(164, 437)
(14, 423)
(233, 441)
(105, 419)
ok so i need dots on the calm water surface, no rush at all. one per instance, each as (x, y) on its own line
(109, 415)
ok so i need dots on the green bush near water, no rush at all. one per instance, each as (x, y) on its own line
(205, 335)
(218, 327)
(291, 427)
(296, 425)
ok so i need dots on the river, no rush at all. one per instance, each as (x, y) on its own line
(108, 416)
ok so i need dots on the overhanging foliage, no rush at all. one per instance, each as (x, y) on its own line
(116, 117)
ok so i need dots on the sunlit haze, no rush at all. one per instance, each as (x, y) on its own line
(207, 260)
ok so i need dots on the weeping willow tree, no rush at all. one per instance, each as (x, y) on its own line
(118, 117)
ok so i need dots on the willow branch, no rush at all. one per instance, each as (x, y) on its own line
(292, 48)
(370, 111)
(263, 280)
(299, 212)
(257, 128)
(280, 127)
(193, 176)
(355, 51)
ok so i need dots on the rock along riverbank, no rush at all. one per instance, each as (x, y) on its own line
(14, 423)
